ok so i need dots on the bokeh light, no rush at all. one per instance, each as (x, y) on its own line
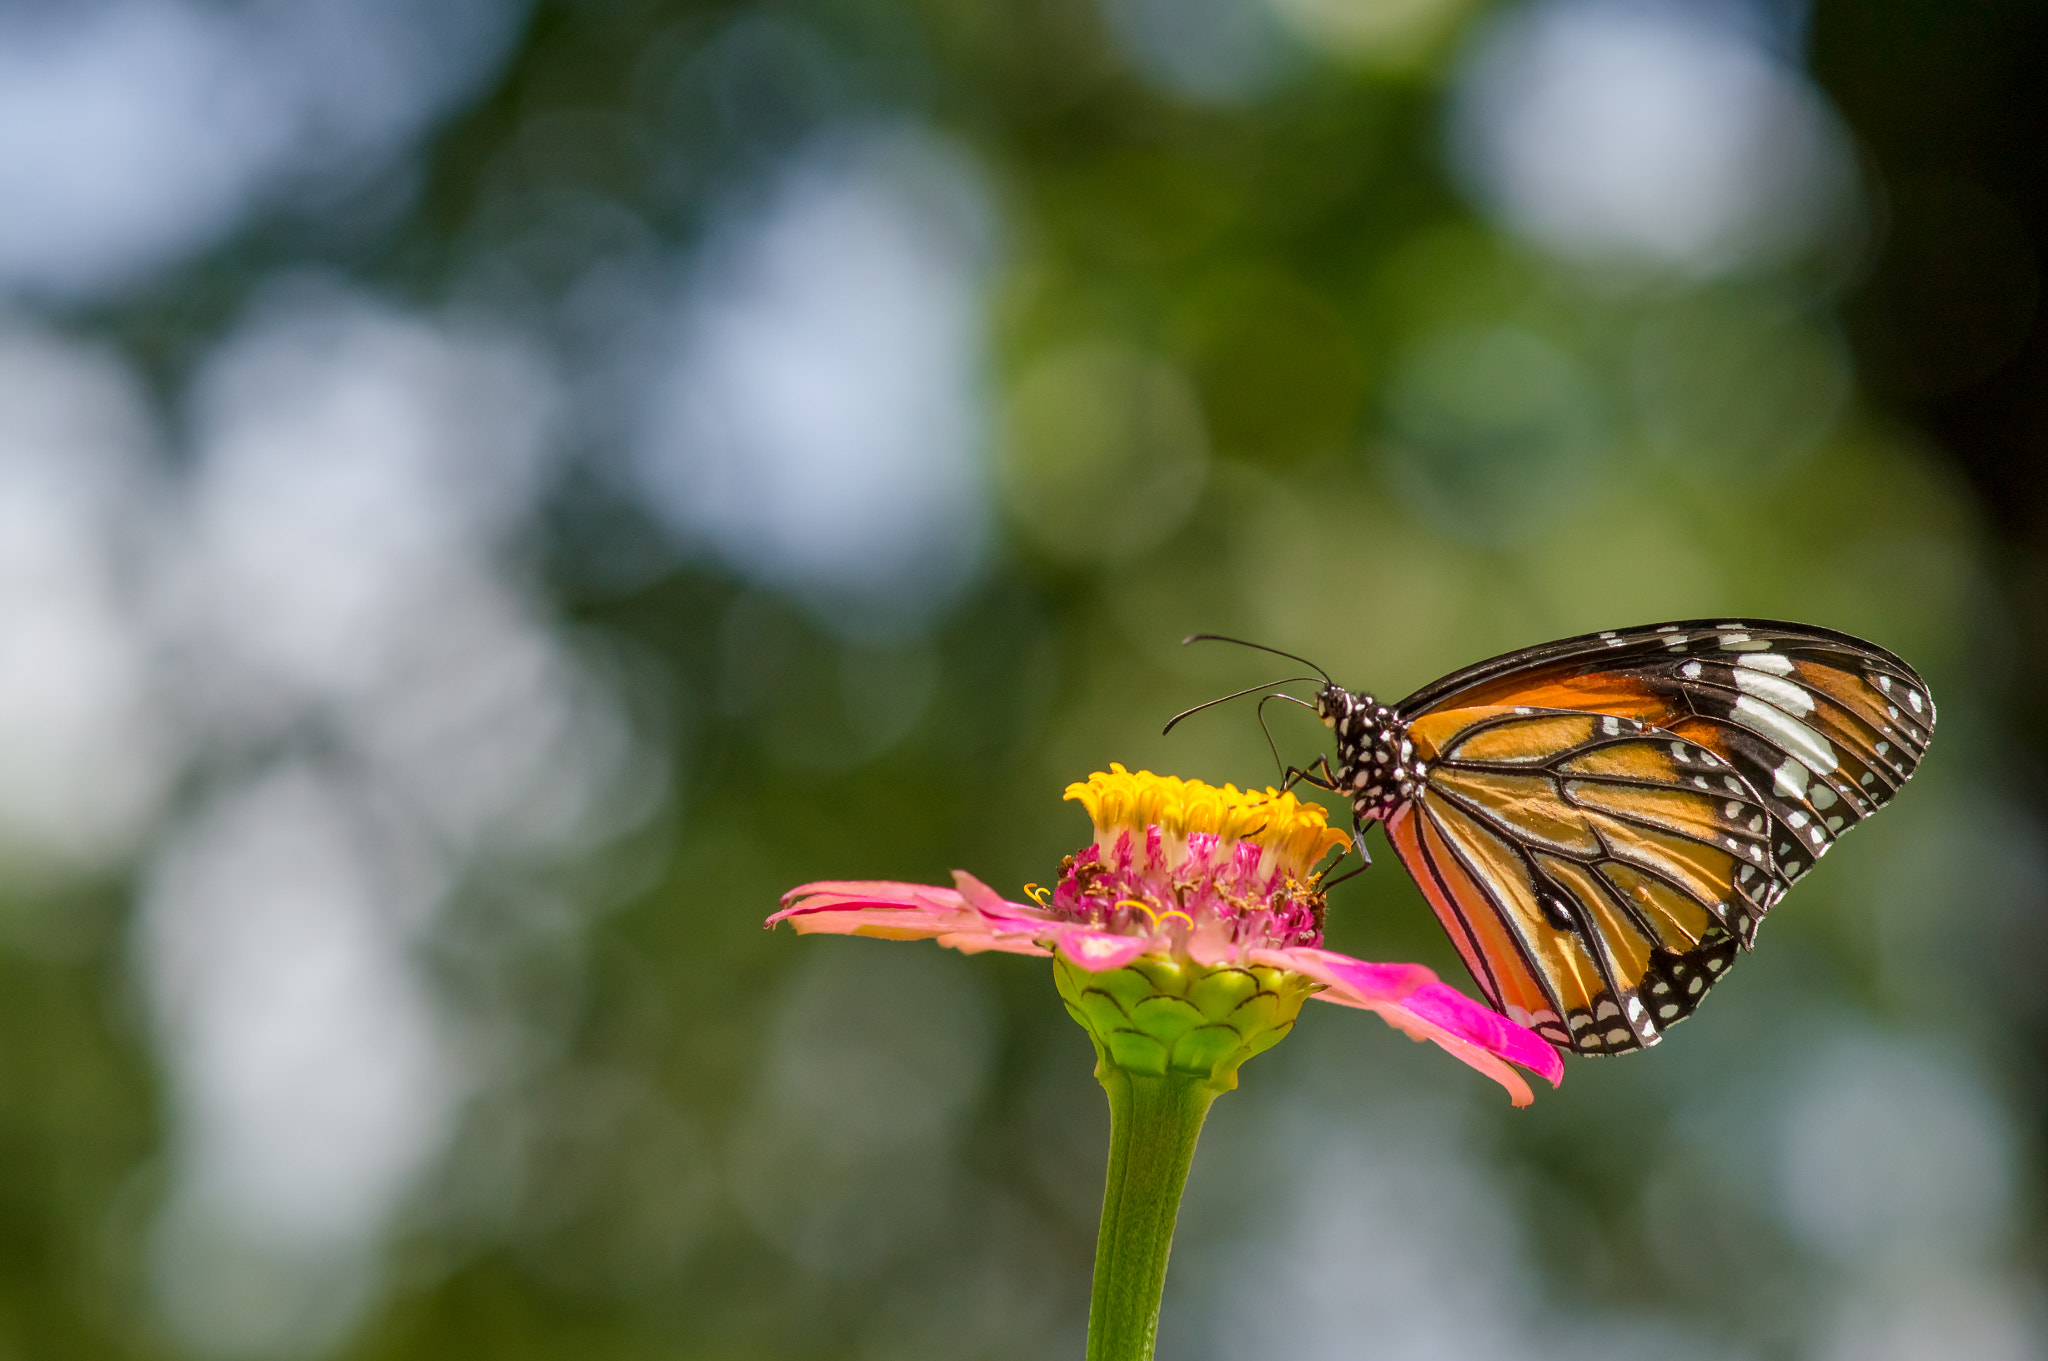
(492, 494)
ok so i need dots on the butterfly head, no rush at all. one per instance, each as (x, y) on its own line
(1335, 704)
(1351, 714)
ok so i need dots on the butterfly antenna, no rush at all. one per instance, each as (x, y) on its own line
(1248, 690)
(1292, 657)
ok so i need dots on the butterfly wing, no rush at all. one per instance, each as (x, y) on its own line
(1605, 819)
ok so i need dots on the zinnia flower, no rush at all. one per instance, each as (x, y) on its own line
(1185, 938)
(1208, 899)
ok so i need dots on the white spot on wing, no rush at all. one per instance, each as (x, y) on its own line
(1790, 779)
(1795, 737)
(1766, 661)
(1793, 699)
(1691, 670)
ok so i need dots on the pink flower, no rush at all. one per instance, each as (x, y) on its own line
(1209, 879)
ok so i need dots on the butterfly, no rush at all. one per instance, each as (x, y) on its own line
(1601, 823)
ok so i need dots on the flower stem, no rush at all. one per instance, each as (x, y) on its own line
(1153, 1125)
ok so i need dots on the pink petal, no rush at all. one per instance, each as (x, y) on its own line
(1453, 1011)
(1429, 1010)
(1358, 979)
(1099, 951)
(993, 905)
(975, 942)
(970, 919)
(831, 893)
(890, 923)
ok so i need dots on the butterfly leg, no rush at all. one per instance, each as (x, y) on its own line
(1325, 885)
(1358, 844)
(1288, 773)
(1317, 774)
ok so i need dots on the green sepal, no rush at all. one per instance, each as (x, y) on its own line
(1161, 1017)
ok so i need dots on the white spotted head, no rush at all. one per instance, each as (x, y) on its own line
(1339, 708)
(1354, 716)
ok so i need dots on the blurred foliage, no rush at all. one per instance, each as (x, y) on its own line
(1255, 368)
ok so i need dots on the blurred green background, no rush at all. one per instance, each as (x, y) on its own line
(491, 494)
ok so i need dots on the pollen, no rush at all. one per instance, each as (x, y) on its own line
(1297, 832)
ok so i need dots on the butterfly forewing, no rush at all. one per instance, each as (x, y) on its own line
(1605, 819)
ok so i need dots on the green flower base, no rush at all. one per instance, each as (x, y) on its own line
(1169, 1018)
(1169, 1037)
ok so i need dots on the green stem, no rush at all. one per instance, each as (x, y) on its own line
(1153, 1125)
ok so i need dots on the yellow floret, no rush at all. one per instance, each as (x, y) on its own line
(1296, 831)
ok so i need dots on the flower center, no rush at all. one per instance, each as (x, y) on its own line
(1216, 871)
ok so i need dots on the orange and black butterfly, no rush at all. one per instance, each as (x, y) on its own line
(1600, 822)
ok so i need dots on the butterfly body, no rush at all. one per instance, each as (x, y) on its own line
(1375, 755)
(1602, 822)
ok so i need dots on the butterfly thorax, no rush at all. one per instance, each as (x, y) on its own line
(1376, 764)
